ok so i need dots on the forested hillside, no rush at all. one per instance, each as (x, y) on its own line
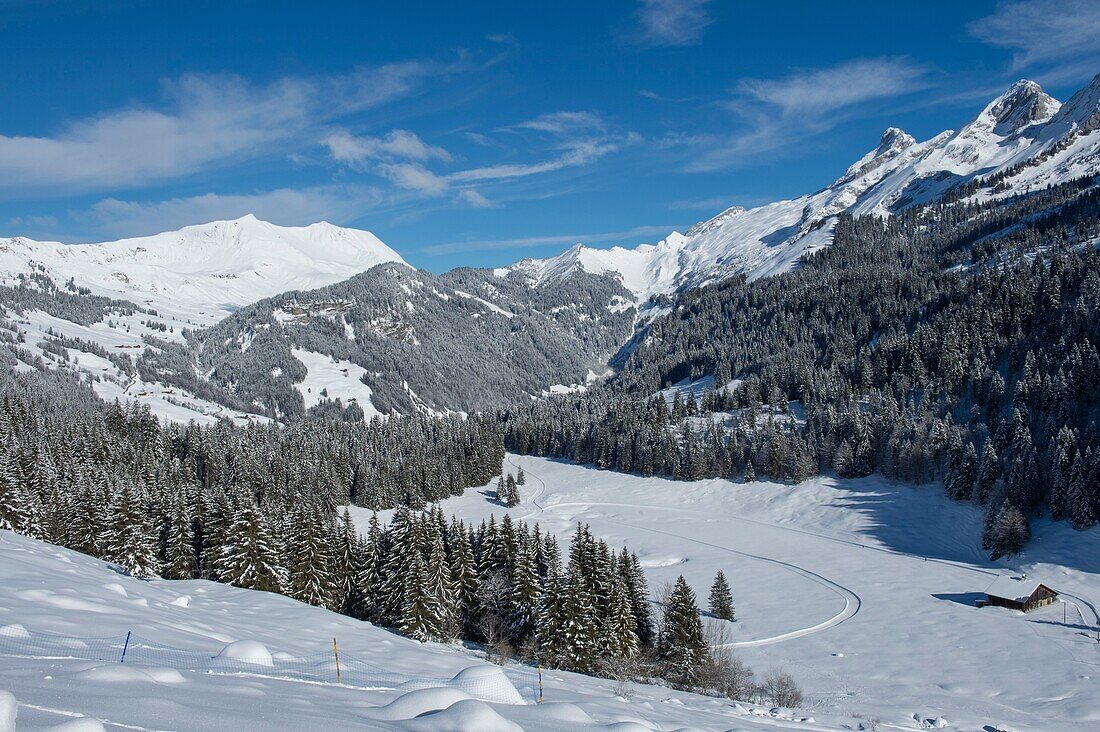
(954, 341)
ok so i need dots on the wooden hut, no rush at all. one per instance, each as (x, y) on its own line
(1019, 593)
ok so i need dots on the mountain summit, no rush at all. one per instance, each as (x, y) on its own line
(1024, 136)
(201, 273)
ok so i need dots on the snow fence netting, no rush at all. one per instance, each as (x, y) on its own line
(515, 685)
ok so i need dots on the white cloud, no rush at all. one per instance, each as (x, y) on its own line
(781, 112)
(672, 22)
(205, 121)
(814, 93)
(113, 217)
(1044, 32)
(414, 177)
(580, 152)
(398, 144)
(561, 123)
(471, 197)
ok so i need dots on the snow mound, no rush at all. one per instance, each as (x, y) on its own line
(128, 674)
(626, 727)
(416, 703)
(15, 630)
(563, 712)
(81, 724)
(245, 651)
(8, 709)
(465, 715)
(488, 683)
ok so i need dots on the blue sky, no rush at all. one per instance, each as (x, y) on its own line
(481, 133)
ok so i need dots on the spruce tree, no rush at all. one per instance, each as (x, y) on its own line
(721, 598)
(131, 543)
(682, 649)
(250, 558)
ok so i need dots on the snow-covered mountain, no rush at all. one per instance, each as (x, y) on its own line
(202, 273)
(1022, 140)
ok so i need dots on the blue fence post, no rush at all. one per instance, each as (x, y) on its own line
(124, 647)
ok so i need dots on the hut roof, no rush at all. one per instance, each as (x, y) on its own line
(1013, 587)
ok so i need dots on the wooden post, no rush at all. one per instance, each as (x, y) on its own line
(539, 665)
(336, 653)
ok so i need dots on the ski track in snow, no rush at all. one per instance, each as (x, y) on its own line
(852, 601)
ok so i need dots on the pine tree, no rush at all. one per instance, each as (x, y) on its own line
(15, 509)
(521, 477)
(682, 649)
(721, 598)
(312, 579)
(512, 492)
(620, 633)
(417, 615)
(346, 569)
(250, 558)
(180, 559)
(577, 643)
(131, 543)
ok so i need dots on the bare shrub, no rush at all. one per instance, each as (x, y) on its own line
(724, 673)
(780, 690)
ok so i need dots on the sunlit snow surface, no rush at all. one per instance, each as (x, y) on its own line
(863, 589)
(238, 643)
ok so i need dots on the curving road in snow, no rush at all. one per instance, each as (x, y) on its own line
(852, 601)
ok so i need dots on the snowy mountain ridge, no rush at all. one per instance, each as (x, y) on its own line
(1024, 140)
(202, 273)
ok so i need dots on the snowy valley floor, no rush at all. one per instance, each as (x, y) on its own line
(863, 589)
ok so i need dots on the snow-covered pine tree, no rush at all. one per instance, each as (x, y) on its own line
(442, 620)
(511, 497)
(15, 509)
(619, 638)
(463, 577)
(250, 556)
(346, 569)
(721, 598)
(682, 649)
(630, 570)
(577, 643)
(131, 542)
(179, 550)
(312, 579)
(521, 477)
(371, 570)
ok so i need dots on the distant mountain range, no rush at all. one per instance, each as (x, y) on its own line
(258, 300)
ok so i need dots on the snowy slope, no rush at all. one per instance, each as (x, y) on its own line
(862, 589)
(201, 273)
(1024, 135)
(209, 657)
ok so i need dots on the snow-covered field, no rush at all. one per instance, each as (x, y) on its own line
(232, 659)
(863, 590)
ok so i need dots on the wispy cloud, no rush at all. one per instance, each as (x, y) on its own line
(782, 111)
(581, 152)
(398, 144)
(568, 138)
(1052, 33)
(474, 199)
(554, 240)
(414, 177)
(562, 123)
(650, 94)
(112, 217)
(203, 122)
(504, 39)
(672, 22)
